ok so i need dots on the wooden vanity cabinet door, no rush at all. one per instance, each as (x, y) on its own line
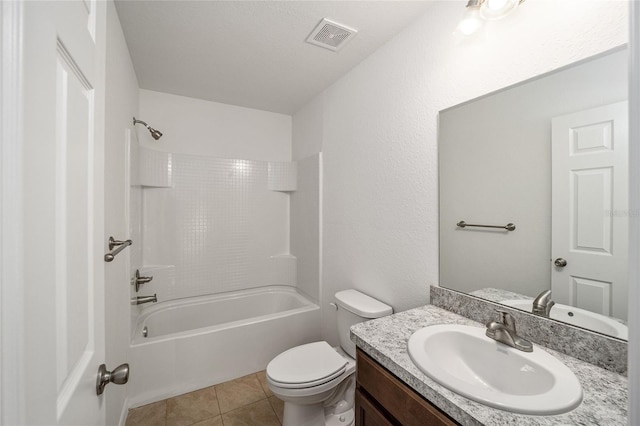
(377, 387)
(367, 414)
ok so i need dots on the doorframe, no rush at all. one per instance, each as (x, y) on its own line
(634, 210)
(12, 410)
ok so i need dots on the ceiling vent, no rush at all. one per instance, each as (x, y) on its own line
(331, 35)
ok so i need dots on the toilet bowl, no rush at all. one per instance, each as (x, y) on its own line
(317, 382)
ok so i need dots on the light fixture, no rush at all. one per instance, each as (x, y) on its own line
(479, 10)
(497, 9)
(471, 21)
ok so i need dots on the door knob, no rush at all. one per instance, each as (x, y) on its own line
(119, 376)
(560, 262)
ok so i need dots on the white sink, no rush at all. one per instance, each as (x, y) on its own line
(576, 316)
(466, 361)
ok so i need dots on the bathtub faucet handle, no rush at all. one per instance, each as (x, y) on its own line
(139, 280)
(144, 299)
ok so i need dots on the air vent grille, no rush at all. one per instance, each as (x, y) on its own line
(331, 35)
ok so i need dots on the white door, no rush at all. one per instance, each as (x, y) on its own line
(64, 245)
(590, 204)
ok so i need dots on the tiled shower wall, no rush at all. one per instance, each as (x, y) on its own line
(212, 225)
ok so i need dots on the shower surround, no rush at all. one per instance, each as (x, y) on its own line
(210, 227)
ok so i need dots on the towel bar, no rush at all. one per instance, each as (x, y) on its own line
(508, 226)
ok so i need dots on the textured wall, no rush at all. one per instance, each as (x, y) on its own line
(307, 131)
(380, 226)
(194, 126)
(305, 225)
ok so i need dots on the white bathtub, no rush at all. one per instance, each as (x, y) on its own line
(198, 342)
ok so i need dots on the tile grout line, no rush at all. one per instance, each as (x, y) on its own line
(274, 410)
(215, 389)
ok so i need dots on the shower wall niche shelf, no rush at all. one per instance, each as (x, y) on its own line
(283, 176)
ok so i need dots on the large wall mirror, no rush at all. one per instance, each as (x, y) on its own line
(550, 157)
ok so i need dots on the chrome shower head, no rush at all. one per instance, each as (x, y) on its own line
(156, 134)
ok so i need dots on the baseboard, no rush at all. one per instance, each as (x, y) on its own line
(124, 413)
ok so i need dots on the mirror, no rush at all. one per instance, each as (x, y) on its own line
(549, 156)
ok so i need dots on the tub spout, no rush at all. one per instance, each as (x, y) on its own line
(144, 299)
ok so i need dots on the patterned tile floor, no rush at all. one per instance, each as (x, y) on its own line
(246, 401)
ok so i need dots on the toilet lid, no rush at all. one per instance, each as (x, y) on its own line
(307, 365)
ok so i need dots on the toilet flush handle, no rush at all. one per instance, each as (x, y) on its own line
(334, 306)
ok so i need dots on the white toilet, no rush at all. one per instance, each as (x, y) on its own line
(317, 382)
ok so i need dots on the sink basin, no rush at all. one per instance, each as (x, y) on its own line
(576, 316)
(463, 359)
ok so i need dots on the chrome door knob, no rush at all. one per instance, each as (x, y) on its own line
(560, 262)
(119, 376)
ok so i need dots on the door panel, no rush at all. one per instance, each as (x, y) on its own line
(63, 225)
(590, 209)
(590, 196)
(592, 295)
(74, 142)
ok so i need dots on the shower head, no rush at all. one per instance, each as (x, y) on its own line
(156, 134)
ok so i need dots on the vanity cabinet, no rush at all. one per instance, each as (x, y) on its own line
(383, 400)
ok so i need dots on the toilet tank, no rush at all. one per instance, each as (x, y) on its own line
(353, 308)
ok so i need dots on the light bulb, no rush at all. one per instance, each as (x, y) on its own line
(471, 21)
(496, 5)
(497, 9)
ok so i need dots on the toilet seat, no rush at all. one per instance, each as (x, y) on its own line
(306, 366)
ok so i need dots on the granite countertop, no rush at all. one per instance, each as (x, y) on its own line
(605, 398)
(498, 295)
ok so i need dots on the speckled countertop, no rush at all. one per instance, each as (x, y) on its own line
(498, 295)
(605, 398)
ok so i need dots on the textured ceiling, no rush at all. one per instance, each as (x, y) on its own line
(252, 53)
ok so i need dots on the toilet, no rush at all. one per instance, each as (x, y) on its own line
(317, 382)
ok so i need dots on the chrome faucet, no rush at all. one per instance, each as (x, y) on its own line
(144, 299)
(542, 304)
(504, 331)
(138, 280)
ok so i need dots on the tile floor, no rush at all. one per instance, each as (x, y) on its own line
(246, 401)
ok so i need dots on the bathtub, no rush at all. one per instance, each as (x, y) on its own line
(198, 342)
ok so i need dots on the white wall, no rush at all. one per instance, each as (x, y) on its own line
(307, 130)
(380, 226)
(194, 126)
(121, 105)
(495, 168)
(305, 225)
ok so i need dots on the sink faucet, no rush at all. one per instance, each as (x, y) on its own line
(542, 304)
(504, 331)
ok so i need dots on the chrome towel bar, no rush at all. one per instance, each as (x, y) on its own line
(120, 245)
(508, 226)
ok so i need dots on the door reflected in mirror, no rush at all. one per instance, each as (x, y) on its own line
(550, 157)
